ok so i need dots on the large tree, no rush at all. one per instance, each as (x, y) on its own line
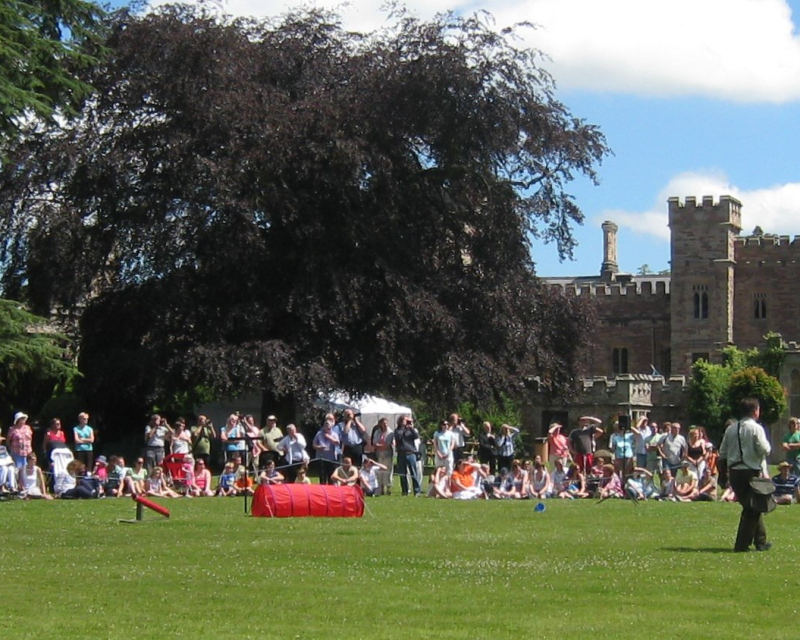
(45, 45)
(35, 360)
(286, 205)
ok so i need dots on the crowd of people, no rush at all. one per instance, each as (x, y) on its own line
(643, 461)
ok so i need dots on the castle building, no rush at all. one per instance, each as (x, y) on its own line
(723, 288)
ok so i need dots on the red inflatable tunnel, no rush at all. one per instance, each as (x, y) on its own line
(304, 500)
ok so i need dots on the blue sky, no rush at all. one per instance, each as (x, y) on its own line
(695, 97)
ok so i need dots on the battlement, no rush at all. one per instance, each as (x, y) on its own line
(617, 290)
(767, 249)
(728, 210)
(767, 241)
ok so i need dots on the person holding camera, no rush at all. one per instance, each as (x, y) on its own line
(327, 445)
(460, 434)
(156, 434)
(352, 434)
(202, 435)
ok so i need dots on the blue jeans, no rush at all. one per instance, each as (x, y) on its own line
(407, 463)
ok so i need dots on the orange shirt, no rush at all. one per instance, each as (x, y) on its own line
(465, 479)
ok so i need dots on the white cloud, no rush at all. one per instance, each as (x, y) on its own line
(775, 209)
(739, 50)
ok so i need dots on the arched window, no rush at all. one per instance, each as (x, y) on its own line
(700, 300)
(760, 306)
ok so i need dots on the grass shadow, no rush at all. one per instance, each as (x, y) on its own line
(698, 549)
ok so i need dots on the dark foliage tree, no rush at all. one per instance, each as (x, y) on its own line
(288, 206)
(44, 48)
(35, 360)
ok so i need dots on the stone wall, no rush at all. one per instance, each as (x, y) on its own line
(767, 274)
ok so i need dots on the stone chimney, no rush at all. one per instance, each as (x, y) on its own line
(609, 268)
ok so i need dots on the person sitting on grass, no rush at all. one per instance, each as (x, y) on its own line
(539, 486)
(729, 495)
(31, 480)
(576, 484)
(667, 482)
(504, 486)
(439, 484)
(202, 479)
(462, 481)
(156, 485)
(133, 483)
(302, 475)
(270, 475)
(639, 485)
(243, 482)
(559, 480)
(786, 485)
(610, 484)
(345, 475)
(115, 472)
(708, 486)
(85, 487)
(686, 483)
(100, 470)
(227, 481)
(368, 477)
(519, 476)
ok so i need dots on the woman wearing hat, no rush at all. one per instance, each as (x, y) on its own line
(20, 440)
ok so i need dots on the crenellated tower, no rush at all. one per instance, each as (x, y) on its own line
(702, 277)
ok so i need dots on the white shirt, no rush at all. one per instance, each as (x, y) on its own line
(754, 445)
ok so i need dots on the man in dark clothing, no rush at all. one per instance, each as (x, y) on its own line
(406, 439)
(745, 448)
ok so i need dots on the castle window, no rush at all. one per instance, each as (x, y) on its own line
(700, 356)
(700, 299)
(620, 361)
(760, 306)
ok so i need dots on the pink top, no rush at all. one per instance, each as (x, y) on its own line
(558, 445)
(20, 440)
(202, 480)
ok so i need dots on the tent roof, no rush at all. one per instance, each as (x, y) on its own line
(363, 404)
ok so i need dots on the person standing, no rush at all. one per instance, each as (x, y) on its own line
(443, 446)
(202, 435)
(270, 436)
(642, 433)
(352, 434)
(460, 433)
(156, 433)
(745, 448)
(487, 448)
(293, 449)
(327, 445)
(505, 446)
(383, 445)
(84, 440)
(557, 445)
(54, 438)
(20, 440)
(406, 437)
(582, 440)
(673, 448)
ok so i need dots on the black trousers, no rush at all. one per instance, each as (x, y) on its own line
(751, 523)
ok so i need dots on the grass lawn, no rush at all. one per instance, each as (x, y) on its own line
(410, 568)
